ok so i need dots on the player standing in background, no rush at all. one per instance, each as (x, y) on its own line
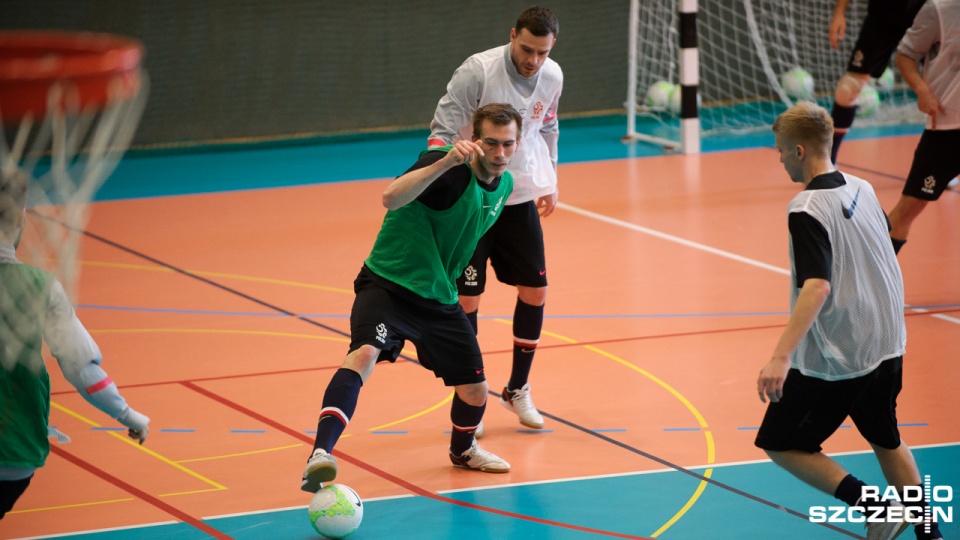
(935, 39)
(521, 74)
(841, 353)
(34, 309)
(406, 289)
(884, 25)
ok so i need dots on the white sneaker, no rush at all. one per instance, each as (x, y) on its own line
(480, 431)
(321, 467)
(886, 530)
(479, 459)
(519, 403)
(954, 182)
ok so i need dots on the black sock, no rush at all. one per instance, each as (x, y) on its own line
(527, 323)
(339, 404)
(897, 244)
(849, 490)
(920, 530)
(472, 317)
(842, 120)
(465, 420)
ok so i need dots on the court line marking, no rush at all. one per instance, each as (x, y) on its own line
(671, 238)
(131, 442)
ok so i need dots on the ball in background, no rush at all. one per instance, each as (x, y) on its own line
(868, 102)
(797, 83)
(658, 95)
(335, 511)
(885, 82)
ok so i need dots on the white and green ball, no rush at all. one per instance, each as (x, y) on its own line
(885, 82)
(797, 83)
(335, 511)
(675, 102)
(868, 102)
(658, 95)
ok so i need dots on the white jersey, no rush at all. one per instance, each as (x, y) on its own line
(861, 323)
(490, 77)
(935, 39)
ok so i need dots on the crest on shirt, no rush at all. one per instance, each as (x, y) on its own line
(537, 110)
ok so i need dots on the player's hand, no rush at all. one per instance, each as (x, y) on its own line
(139, 434)
(928, 104)
(462, 152)
(547, 204)
(838, 27)
(771, 379)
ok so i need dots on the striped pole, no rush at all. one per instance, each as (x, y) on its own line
(689, 78)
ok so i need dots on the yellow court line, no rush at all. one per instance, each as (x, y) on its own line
(708, 435)
(218, 274)
(129, 441)
(65, 506)
(190, 492)
(421, 413)
(241, 453)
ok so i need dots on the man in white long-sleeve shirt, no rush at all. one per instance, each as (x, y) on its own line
(933, 39)
(34, 309)
(521, 74)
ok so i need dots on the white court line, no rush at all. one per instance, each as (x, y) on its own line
(671, 238)
(703, 247)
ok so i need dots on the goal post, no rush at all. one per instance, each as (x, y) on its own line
(699, 68)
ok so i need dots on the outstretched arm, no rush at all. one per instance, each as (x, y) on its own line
(79, 359)
(838, 25)
(455, 109)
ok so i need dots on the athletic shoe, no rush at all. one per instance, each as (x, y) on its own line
(954, 182)
(886, 530)
(519, 403)
(321, 467)
(480, 431)
(478, 459)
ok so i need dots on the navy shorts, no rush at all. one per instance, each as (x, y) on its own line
(10, 491)
(386, 315)
(936, 161)
(812, 409)
(514, 247)
(883, 28)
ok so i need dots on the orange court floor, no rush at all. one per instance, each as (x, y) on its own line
(222, 316)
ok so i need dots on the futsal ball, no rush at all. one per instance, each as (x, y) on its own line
(335, 511)
(675, 94)
(885, 82)
(797, 83)
(868, 102)
(658, 95)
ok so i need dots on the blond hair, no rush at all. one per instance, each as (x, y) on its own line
(806, 124)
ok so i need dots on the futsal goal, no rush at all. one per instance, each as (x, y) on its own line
(724, 61)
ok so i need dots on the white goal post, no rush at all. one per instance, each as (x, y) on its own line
(705, 67)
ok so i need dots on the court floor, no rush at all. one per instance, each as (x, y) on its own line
(218, 286)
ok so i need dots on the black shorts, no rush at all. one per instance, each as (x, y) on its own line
(385, 315)
(10, 491)
(936, 161)
(514, 246)
(812, 409)
(883, 28)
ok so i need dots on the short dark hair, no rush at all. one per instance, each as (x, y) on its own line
(539, 21)
(13, 198)
(500, 114)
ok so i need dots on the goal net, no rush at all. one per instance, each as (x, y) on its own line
(745, 48)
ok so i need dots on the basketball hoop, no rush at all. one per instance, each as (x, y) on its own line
(69, 106)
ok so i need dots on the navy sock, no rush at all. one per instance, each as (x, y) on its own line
(897, 244)
(472, 317)
(465, 418)
(920, 530)
(339, 404)
(527, 323)
(842, 120)
(849, 490)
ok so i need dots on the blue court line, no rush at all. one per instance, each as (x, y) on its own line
(177, 430)
(108, 428)
(258, 431)
(681, 429)
(613, 430)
